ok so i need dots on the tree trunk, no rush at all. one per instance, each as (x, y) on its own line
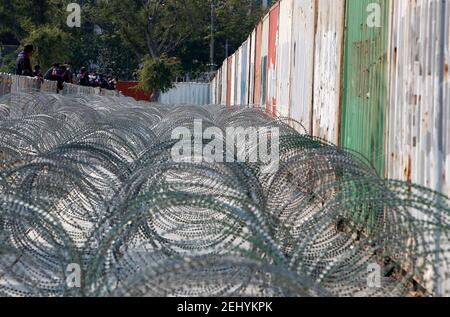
(155, 96)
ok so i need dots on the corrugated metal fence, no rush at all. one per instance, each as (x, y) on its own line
(418, 134)
(189, 94)
(13, 83)
(369, 75)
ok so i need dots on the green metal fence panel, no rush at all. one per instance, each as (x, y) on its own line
(365, 82)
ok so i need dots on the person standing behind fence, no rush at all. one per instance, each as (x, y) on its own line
(112, 83)
(68, 74)
(37, 72)
(49, 72)
(23, 62)
(56, 73)
(59, 75)
(83, 77)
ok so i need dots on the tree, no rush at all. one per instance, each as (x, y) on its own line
(40, 22)
(235, 21)
(19, 17)
(117, 35)
(156, 74)
(102, 47)
(51, 45)
(154, 27)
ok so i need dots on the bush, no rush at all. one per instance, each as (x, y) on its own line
(157, 74)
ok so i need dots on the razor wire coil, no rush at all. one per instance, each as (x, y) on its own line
(90, 180)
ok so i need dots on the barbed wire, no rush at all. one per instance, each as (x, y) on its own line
(90, 180)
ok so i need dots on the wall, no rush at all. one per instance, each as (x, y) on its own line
(302, 48)
(271, 98)
(328, 57)
(257, 56)
(284, 59)
(418, 150)
(369, 75)
(127, 88)
(187, 94)
(365, 81)
(13, 84)
(264, 63)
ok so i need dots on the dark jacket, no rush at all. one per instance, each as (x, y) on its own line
(48, 74)
(23, 65)
(84, 80)
(53, 74)
(68, 76)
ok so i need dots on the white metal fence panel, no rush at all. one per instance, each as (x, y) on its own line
(327, 69)
(49, 86)
(223, 99)
(219, 87)
(213, 91)
(244, 73)
(233, 80)
(14, 83)
(446, 114)
(412, 147)
(303, 62)
(23, 83)
(418, 146)
(284, 58)
(238, 76)
(70, 89)
(5, 84)
(187, 94)
(251, 82)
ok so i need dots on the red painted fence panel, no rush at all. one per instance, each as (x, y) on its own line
(271, 104)
(126, 89)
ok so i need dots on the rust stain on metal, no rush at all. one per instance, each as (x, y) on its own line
(395, 59)
(407, 171)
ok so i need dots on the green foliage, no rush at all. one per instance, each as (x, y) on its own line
(8, 61)
(39, 22)
(180, 28)
(235, 21)
(106, 48)
(115, 57)
(158, 74)
(129, 31)
(154, 27)
(51, 45)
(20, 17)
(10, 66)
